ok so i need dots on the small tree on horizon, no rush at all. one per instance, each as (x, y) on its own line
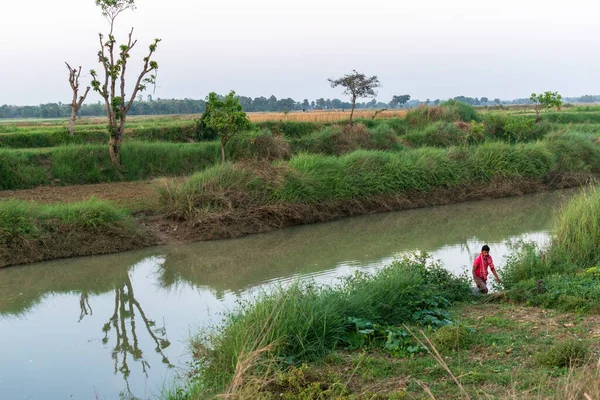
(74, 75)
(399, 100)
(114, 66)
(546, 100)
(356, 85)
(226, 117)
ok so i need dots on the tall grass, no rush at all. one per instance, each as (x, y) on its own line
(577, 232)
(22, 169)
(565, 275)
(305, 321)
(449, 111)
(80, 164)
(314, 178)
(336, 140)
(32, 232)
(29, 218)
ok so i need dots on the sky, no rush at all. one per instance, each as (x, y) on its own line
(428, 49)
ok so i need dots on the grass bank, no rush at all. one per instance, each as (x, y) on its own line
(31, 232)
(565, 275)
(393, 335)
(306, 322)
(80, 164)
(235, 199)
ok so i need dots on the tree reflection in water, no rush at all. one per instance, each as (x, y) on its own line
(123, 324)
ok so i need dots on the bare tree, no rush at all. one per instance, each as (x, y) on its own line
(356, 85)
(115, 66)
(74, 75)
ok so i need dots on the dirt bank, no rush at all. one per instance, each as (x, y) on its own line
(155, 228)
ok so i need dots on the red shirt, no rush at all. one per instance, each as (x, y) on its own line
(481, 265)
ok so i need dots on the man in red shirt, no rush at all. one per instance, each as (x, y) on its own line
(480, 269)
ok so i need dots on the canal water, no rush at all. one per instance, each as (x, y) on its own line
(117, 326)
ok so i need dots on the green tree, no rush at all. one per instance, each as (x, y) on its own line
(546, 100)
(399, 100)
(114, 63)
(484, 100)
(356, 85)
(226, 117)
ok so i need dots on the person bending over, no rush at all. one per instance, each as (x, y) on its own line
(480, 269)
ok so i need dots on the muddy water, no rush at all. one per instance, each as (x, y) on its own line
(111, 326)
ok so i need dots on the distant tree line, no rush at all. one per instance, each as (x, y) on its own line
(151, 106)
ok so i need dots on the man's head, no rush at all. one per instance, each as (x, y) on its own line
(485, 250)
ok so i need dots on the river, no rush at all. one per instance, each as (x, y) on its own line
(116, 326)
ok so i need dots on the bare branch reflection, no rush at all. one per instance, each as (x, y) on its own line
(123, 326)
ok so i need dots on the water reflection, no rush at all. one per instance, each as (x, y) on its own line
(127, 342)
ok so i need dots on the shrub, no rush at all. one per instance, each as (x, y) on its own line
(452, 337)
(563, 354)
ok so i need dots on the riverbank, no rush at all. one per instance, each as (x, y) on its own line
(379, 336)
(146, 220)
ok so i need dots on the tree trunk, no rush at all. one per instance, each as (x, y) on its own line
(222, 151)
(72, 122)
(114, 148)
(352, 112)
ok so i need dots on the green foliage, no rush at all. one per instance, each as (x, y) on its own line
(564, 354)
(547, 100)
(356, 85)
(225, 117)
(396, 341)
(452, 337)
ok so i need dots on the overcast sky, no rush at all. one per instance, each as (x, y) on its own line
(428, 49)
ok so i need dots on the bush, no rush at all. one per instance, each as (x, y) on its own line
(452, 337)
(564, 354)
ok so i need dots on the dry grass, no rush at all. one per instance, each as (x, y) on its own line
(324, 116)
